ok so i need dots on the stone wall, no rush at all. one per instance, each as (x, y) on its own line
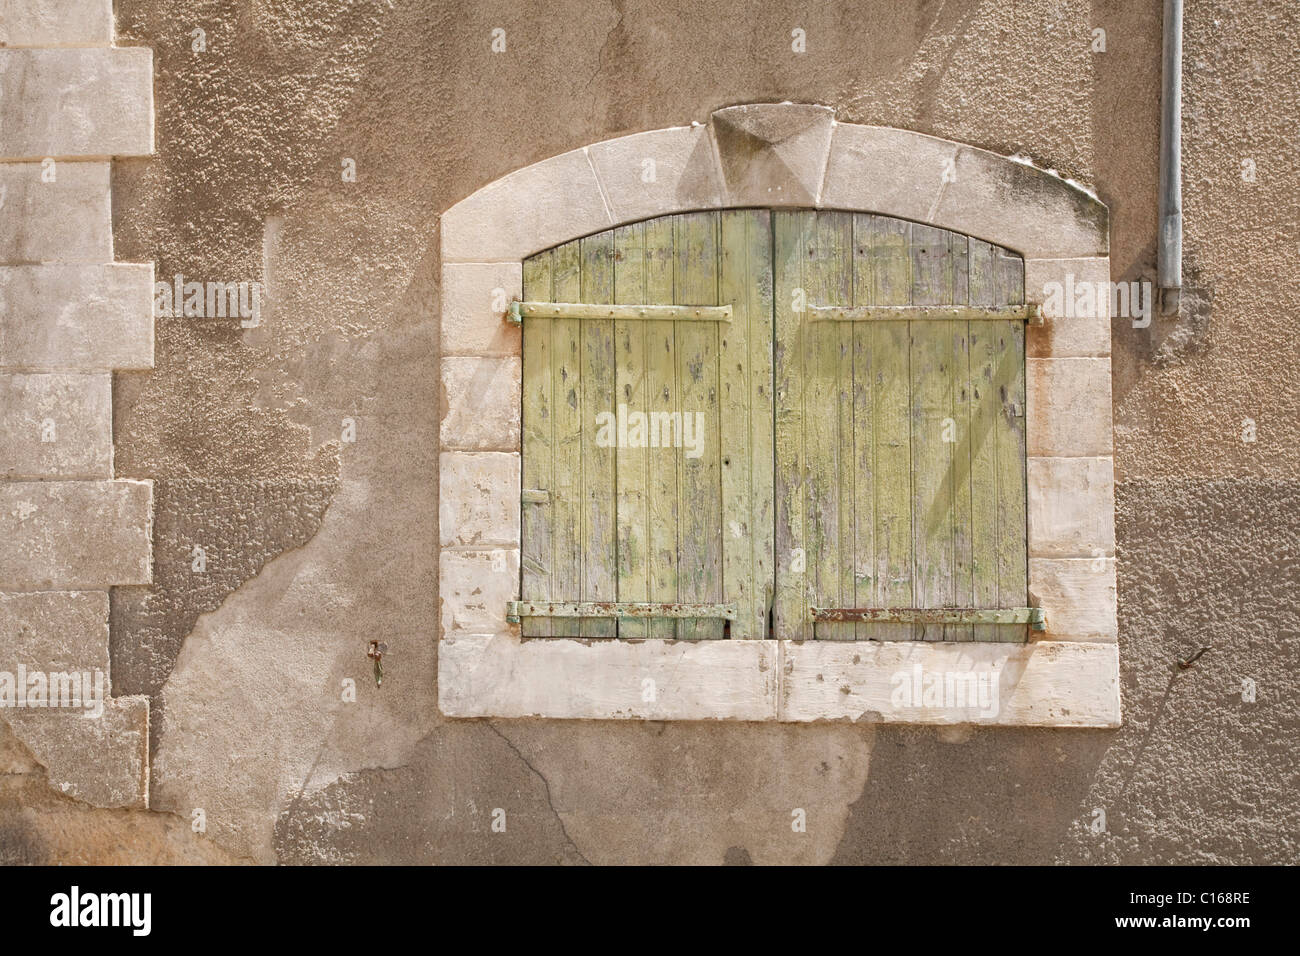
(70, 317)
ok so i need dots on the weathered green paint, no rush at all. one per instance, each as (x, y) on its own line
(858, 479)
(619, 312)
(1033, 616)
(630, 612)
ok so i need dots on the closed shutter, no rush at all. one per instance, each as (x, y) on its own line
(647, 461)
(851, 471)
(900, 468)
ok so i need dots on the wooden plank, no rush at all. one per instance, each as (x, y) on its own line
(745, 366)
(623, 611)
(955, 616)
(1009, 384)
(662, 396)
(984, 420)
(566, 440)
(537, 549)
(631, 469)
(599, 534)
(861, 453)
(932, 402)
(959, 465)
(791, 618)
(633, 310)
(699, 505)
(933, 313)
(828, 419)
(891, 435)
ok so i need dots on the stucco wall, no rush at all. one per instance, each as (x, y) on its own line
(316, 545)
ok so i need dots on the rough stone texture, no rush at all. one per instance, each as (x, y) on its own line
(76, 103)
(481, 402)
(1068, 407)
(67, 535)
(771, 154)
(67, 220)
(77, 317)
(56, 23)
(56, 425)
(1070, 507)
(657, 171)
(54, 631)
(479, 501)
(413, 92)
(239, 524)
(101, 760)
(470, 324)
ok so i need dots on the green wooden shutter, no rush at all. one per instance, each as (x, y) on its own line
(900, 467)
(633, 523)
(853, 465)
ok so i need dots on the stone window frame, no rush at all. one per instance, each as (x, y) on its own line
(776, 155)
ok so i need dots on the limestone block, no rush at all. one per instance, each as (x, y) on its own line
(479, 499)
(481, 675)
(531, 209)
(73, 535)
(76, 102)
(56, 425)
(1068, 335)
(659, 172)
(481, 403)
(1078, 595)
(77, 316)
(54, 630)
(475, 296)
(67, 220)
(1068, 409)
(56, 23)
(773, 154)
(1071, 507)
(474, 587)
(103, 761)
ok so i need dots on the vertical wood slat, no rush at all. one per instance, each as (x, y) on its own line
(699, 505)
(1013, 571)
(631, 468)
(597, 582)
(662, 396)
(745, 371)
(793, 595)
(931, 418)
(890, 436)
(985, 354)
(537, 564)
(567, 491)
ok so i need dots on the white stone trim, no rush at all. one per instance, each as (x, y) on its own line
(1043, 684)
(774, 155)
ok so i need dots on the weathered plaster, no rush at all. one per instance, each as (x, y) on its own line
(255, 132)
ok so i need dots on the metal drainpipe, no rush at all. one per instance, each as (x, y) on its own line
(1171, 160)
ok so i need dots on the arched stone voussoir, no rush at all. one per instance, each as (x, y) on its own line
(1001, 200)
(525, 211)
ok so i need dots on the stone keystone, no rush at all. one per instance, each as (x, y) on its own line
(773, 153)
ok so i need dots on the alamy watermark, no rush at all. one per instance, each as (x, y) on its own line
(209, 300)
(651, 430)
(946, 689)
(33, 689)
(1085, 299)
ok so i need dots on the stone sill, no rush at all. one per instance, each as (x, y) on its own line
(1041, 684)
